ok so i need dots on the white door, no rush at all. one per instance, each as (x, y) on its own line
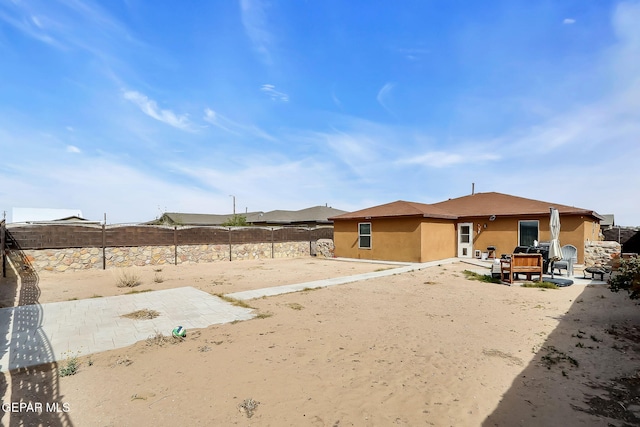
(465, 240)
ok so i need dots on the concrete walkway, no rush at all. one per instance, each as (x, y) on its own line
(285, 289)
(44, 333)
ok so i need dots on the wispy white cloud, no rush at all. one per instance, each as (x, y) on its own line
(150, 108)
(254, 20)
(360, 145)
(610, 121)
(81, 24)
(569, 21)
(220, 121)
(443, 159)
(353, 148)
(274, 94)
(335, 99)
(29, 25)
(269, 181)
(233, 127)
(73, 149)
(36, 21)
(32, 182)
(383, 97)
(413, 53)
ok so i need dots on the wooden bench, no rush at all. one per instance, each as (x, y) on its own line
(528, 264)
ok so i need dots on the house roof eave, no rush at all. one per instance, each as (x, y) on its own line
(366, 217)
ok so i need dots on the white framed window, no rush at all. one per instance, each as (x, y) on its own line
(528, 232)
(364, 235)
(465, 234)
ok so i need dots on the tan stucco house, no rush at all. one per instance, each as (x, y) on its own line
(463, 227)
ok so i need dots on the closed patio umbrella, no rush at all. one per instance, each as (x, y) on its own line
(555, 251)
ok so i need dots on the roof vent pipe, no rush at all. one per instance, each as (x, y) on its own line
(473, 188)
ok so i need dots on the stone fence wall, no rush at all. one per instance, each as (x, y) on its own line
(325, 248)
(60, 260)
(599, 253)
(64, 247)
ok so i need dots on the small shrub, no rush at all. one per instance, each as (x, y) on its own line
(142, 314)
(249, 406)
(235, 221)
(70, 368)
(627, 278)
(160, 340)
(158, 278)
(233, 301)
(295, 306)
(128, 279)
(136, 291)
(481, 277)
(541, 285)
(555, 356)
(125, 361)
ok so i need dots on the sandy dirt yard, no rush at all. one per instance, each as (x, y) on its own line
(429, 347)
(216, 278)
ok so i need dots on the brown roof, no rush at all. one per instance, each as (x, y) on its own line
(499, 204)
(398, 208)
(478, 204)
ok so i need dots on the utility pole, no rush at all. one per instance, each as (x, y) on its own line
(234, 203)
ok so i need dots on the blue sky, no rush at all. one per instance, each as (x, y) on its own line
(134, 107)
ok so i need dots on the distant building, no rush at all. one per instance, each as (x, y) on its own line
(608, 222)
(177, 218)
(309, 217)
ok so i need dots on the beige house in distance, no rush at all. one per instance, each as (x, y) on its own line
(463, 227)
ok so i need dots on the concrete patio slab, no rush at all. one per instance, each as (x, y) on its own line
(484, 267)
(44, 333)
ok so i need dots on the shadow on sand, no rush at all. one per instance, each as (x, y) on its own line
(587, 371)
(22, 339)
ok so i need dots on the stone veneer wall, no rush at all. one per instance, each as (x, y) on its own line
(325, 248)
(599, 253)
(91, 258)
